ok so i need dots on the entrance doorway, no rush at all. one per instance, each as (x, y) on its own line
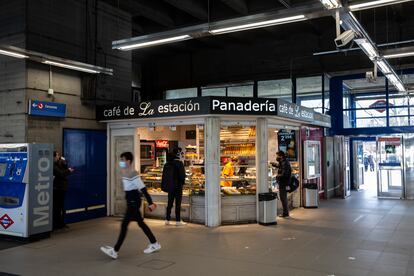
(390, 167)
(364, 165)
(378, 167)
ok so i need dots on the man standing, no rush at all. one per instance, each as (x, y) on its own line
(174, 175)
(284, 174)
(133, 187)
(60, 186)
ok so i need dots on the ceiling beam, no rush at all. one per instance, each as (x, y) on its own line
(151, 10)
(239, 6)
(191, 7)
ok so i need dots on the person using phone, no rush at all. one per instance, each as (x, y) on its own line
(134, 188)
(61, 171)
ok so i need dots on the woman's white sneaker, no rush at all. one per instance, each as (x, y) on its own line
(110, 251)
(167, 222)
(180, 223)
(153, 247)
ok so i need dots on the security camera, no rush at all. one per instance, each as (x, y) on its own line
(343, 39)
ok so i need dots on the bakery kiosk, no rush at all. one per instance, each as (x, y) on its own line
(228, 145)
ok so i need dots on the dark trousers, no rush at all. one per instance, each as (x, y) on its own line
(176, 195)
(284, 200)
(58, 209)
(133, 213)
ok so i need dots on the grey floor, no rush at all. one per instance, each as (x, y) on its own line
(357, 236)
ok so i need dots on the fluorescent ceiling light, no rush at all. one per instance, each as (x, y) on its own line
(385, 69)
(368, 48)
(399, 55)
(12, 54)
(259, 24)
(73, 67)
(331, 4)
(396, 82)
(136, 45)
(373, 4)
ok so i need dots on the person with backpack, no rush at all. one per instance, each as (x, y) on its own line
(173, 179)
(284, 178)
(134, 188)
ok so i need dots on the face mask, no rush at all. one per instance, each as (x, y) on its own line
(122, 164)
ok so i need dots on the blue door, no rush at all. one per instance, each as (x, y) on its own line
(85, 151)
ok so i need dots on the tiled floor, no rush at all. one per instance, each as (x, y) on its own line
(358, 236)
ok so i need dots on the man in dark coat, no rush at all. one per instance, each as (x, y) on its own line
(175, 182)
(60, 186)
(284, 174)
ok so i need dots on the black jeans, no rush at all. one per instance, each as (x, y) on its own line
(58, 209)
(284, 200)
(133, 213)
(177, 195)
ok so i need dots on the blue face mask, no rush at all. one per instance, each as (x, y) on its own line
(122, 164)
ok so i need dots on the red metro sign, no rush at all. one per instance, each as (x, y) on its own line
(6, 221)
(380, 105)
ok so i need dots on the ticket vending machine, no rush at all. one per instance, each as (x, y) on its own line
(26, 189)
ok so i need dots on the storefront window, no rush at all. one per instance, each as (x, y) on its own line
(181, 93)
(219, 91)
(238, 160)
(240, 91)
(275, 89)
(156, 144)
(309, 92)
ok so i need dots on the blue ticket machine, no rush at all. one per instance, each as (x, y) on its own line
(26, 189)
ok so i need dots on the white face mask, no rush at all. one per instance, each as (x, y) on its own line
(122, 164)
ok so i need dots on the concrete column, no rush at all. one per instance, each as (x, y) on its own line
(262, 137)
(212, 171)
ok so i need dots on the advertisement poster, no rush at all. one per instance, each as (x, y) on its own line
(287, 143)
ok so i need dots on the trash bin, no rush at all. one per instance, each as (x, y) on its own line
(267, 208)
(310, 191)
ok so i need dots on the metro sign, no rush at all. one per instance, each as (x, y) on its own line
(38, 105)
(380, 105)
(6, 221)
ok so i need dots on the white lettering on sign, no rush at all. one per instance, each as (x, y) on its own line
(114, 112)
(248, 106)
(176, 108)
(295, 111)
(41, 211)
(145, 109)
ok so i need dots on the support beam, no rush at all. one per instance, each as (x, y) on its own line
(193, 8)
(239, 6)
(151, 10)
(212, 168)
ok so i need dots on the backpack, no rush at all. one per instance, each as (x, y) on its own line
(168, 176)
(293, 184)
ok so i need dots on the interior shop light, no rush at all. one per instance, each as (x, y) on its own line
(331, 4)
(383, 66)
(258, 24)
(367, 47)
(143, 44)
(12, 54)
(73, 67)
(374, 4)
